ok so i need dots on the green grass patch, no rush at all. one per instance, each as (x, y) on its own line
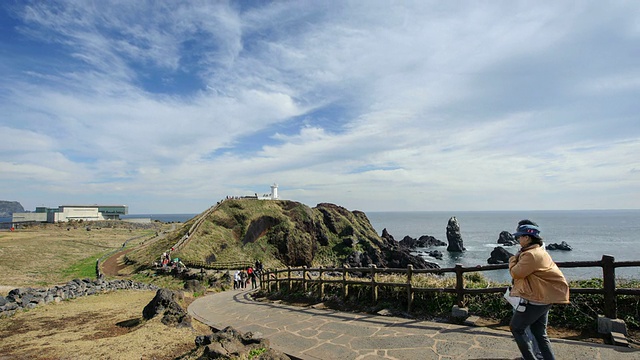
(85, 268)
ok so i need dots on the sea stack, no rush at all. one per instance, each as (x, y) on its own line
(453, 236)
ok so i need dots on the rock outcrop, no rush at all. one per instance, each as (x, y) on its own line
(499, 256)
(231, 344)
(505, 238)
(435, 254)
(453, 236)
(423, 241)
(165, 303)
(7, 208)
(562, 246)
(29, 298)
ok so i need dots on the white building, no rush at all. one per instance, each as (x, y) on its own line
(66, 213)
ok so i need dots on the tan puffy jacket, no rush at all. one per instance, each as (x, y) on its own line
(537, 278)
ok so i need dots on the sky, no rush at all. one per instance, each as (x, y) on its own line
(170, 106)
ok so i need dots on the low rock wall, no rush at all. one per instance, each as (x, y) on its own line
(28, 298)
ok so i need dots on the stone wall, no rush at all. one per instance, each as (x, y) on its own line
(28, 298)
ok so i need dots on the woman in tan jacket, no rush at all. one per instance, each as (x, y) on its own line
(538, 281)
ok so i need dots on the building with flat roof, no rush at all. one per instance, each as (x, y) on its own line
(64, 213)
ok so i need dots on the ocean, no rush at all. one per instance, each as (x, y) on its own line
(591, 233)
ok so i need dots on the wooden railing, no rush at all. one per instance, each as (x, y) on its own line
(305, 276)
(231, 265)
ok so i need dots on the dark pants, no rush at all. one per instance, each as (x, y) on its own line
(536, 317)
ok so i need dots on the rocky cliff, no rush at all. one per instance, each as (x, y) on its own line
(287, 233)
(7, 208)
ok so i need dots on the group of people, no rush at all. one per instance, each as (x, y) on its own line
(167, 261)
(242, 278)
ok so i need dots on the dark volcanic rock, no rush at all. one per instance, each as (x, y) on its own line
(562, 246)
(499, 256)
(231, 344)
(165, 304)
(505, 238)
(423, 241)
(428, 240)
(453, 236)
(401, 258)
(388, 238)
(436, 254)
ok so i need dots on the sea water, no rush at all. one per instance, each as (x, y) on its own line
(591, 234)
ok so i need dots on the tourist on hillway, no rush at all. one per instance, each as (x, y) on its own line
(252, 277)
(243, 278)
(538, 282)
(236, 280)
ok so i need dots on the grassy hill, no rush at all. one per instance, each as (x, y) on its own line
(280, 233)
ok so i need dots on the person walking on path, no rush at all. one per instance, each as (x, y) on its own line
(236, 280)
(252, 276)
(527, 332)
(538, 282)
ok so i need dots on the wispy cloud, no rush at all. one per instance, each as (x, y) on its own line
(170, 106)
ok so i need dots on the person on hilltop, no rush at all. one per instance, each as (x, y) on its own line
(538, 282)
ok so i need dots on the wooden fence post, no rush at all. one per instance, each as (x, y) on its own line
(459, 286)
(277, 280)
(321, 285)
(345, 287)
(409, 288)
(262, 281)
(374, 285)
(289, 278)
(609, 286)
(304, 279)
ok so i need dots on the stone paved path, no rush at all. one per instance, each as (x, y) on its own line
(308, 333)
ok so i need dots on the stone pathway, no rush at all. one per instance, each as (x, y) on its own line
(308, 333)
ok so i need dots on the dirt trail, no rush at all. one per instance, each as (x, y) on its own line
(111, 266)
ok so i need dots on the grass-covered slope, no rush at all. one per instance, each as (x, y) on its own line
(280, 233)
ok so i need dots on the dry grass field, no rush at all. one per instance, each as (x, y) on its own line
(51, 254)
(105, 326)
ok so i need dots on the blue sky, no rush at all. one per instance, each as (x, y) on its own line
(169, 106)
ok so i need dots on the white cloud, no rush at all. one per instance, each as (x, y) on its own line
(416, 106)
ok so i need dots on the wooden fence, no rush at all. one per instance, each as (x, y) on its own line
(231, 265)
(305, 276)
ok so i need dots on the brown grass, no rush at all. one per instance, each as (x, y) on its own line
(40, 255)
(106, 326)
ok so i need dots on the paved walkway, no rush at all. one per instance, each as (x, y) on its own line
(308, 333)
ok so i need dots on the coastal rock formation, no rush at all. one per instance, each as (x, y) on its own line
(505, 238)
(562, 246)
(423, 241)
(499, 256)
(28, 298)
(165, 303)
(231, 344)
(435, 254)
(453, 236)
(7, 208)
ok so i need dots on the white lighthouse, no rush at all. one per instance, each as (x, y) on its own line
(274, 192)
